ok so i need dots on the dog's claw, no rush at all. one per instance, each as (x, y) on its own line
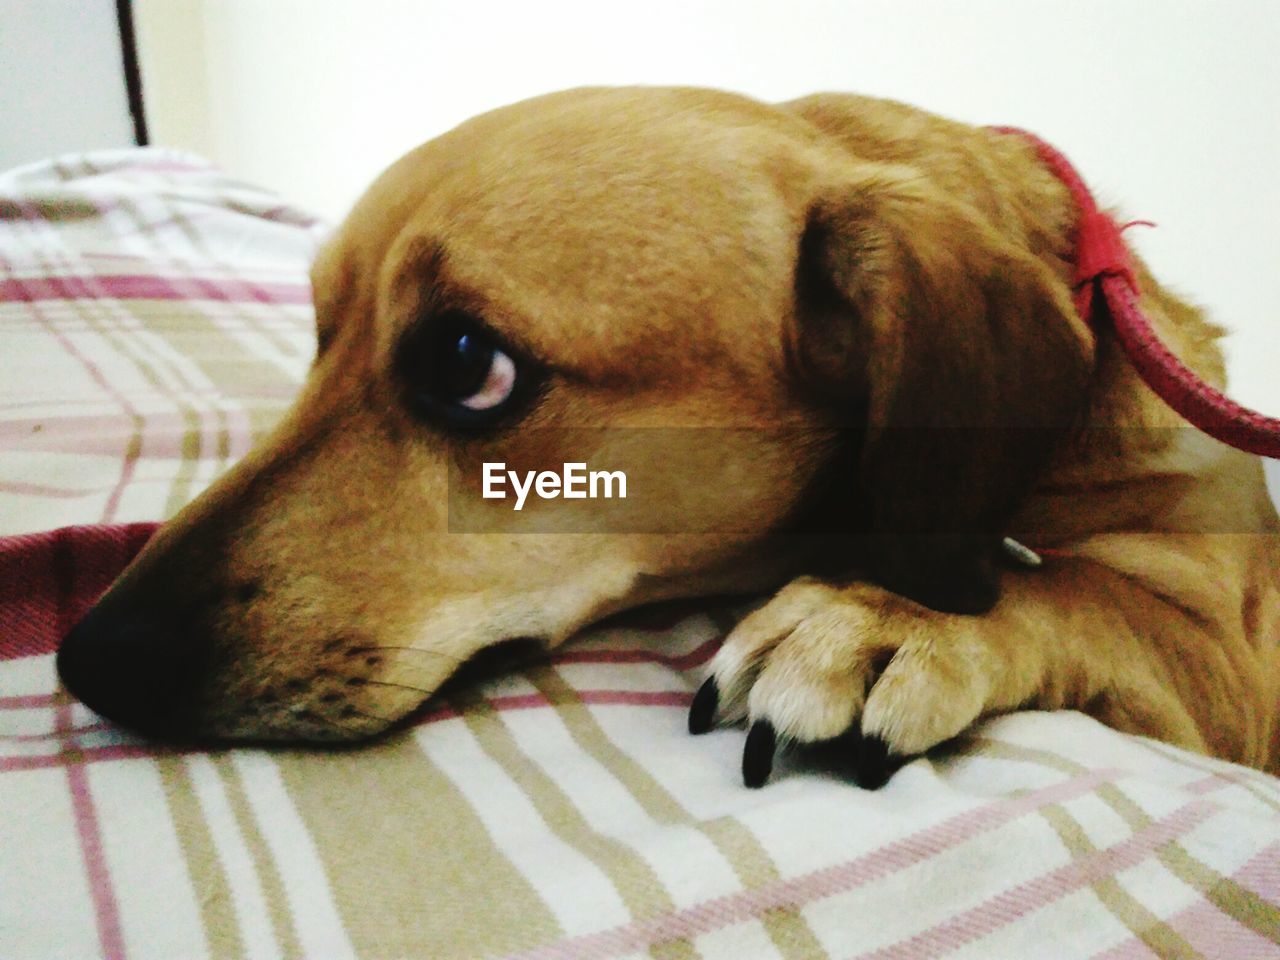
(874, 766)
(702, 712)
(757, 756)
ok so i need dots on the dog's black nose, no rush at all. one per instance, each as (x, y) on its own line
(137, 672)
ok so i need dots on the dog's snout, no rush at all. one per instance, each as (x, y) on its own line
(136, 671)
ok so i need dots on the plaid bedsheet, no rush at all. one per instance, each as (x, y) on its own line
(154, 318)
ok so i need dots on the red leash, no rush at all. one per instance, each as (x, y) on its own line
(1103, 263)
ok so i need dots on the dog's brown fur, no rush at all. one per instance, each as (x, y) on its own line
(685, 258)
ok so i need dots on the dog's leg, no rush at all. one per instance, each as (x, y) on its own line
(886, 678)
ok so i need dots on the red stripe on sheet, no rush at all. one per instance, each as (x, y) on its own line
(1026, 898)
(1253, 781)
(147, 751)
(741, 907)
(70, 732)
(153, 287)
(83, 756)
(1217, 935)
(40, 490)
(105, 909)
(31, 701)
(1261, 874)
(49, 580)
(62, 585)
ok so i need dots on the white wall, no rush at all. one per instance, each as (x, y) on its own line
(61, 79)
(1171, 107)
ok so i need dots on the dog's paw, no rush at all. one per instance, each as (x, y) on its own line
(864, 676)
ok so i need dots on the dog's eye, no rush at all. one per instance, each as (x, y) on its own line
(474, 372)
(457, 372)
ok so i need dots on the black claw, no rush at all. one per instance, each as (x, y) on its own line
(757, 756)
(702, 712)
(874, 765)
(864, 760)
(839, 754)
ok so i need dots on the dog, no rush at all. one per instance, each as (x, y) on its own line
(832, 345)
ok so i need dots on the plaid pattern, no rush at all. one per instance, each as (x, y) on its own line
(155, 319)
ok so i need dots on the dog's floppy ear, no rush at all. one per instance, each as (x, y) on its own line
(958, 358)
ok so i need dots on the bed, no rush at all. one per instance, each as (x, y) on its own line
(154, 319)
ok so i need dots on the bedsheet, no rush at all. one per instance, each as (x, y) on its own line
(154, 318)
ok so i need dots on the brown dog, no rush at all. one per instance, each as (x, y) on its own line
(830, 336)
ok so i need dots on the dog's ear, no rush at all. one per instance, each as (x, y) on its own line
(956, 359)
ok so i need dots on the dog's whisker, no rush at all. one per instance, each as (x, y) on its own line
(392, 683)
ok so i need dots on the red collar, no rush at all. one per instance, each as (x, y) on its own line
(1103, 264)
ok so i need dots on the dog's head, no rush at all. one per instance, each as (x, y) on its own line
(760, 328)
